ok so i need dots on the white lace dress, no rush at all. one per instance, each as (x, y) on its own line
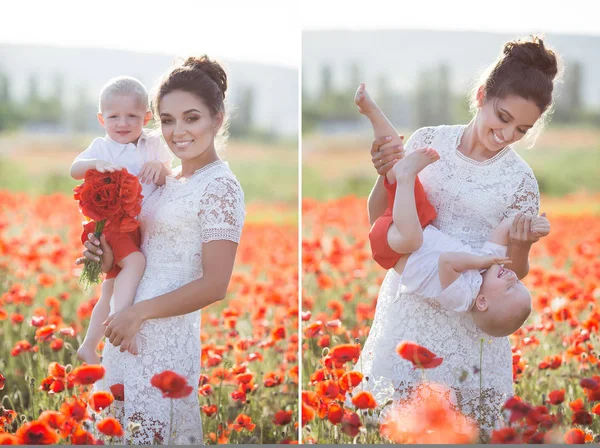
(470, 198)
(175, 220)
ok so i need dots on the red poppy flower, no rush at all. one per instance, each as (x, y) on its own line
(313, 329)
(582, 418)
(351, 423)
(243, 421)
(345, 352)
(171, 384)
(56, 371)
(101, 400)
(45, 333)
(9, 439)
(80, 436)
(209, 410)
(205, 390)
(111, 427)
(244, 378)
(282, 417)
(505, 435)
(575, 436)
(239, 395)
(57, 386)
(308, 414)
(518, 408)
(2, 381)
(203, 380)
(57, 344)
(588, 383)
(272, 379)
(54, 419)
(364, 400)
(328, 389)
(556, 396)
(75, 408)
(419, 356)
(88, 374)
(335, 413)
(577, 405)
(37, 433)
(118, 392)
(350, 380)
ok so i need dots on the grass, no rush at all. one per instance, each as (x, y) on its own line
(564, 160)
(268, 172)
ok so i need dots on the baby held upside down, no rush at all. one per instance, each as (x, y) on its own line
(433, 264)
(459, 277)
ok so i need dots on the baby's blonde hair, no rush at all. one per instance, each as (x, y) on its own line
(124, 85)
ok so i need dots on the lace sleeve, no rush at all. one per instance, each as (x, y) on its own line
(222, 210)
(422, 137)
(526, 198)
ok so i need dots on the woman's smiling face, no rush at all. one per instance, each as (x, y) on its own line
(502, 121)
(187, 124)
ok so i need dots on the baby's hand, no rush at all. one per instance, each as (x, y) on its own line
(540, 226)
(150, 171)
(107, 167)
(488, 260)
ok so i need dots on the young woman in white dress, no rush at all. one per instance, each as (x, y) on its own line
(190, 229)
(478, 180)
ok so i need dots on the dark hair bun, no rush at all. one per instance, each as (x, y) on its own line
(211, 68)
(533, 54)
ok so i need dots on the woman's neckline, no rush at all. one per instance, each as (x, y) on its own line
(468, 159)
(173, 177)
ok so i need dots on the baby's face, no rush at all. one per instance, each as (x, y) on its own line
(499, 282)
(123, 116)
(508, 300)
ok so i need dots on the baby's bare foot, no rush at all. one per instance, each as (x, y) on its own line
(88, 354)
(412, 164)
(364, 102)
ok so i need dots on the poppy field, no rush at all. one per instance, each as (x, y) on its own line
(249, 385)
(556, 366)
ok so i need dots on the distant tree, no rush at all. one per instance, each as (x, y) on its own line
(356, 76)
(243, 123)
(80, 118)
(423, 100)
(326, 81)
(444, 96)
(7, 117)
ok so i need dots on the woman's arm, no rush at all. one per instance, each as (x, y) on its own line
(383, 160)
(200, 293)
(212, 287)
(520, 241)
(526, 203)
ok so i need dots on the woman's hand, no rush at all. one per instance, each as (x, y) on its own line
(520, 231)
(122, 327)
(384, 159)
(97, 250)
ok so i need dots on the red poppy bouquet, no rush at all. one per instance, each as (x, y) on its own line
(112, 201)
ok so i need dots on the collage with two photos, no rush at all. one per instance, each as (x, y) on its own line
(360, 232)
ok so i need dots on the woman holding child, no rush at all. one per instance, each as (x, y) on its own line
(190, 230)
(478, 181)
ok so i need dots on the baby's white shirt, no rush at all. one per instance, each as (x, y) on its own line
(421, 273)
(150, 147)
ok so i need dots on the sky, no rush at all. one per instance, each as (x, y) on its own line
(269, 31)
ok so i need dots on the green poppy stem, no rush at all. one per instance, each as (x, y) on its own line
(92, 269)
